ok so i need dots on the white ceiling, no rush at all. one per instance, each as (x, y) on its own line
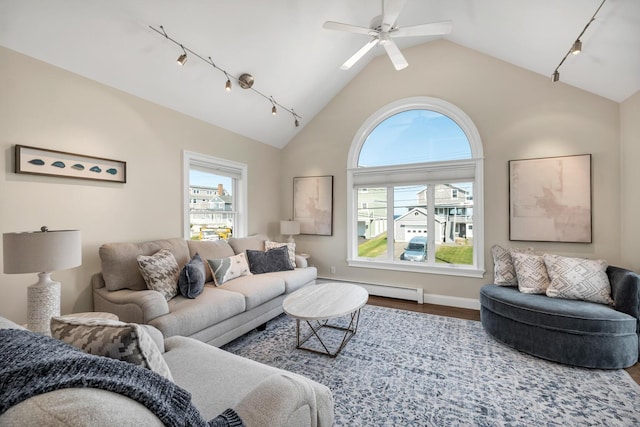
(282, 44)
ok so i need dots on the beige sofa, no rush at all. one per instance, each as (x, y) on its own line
(216, 379)
(218, 315)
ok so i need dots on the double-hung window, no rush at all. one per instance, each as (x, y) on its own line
(415, 185)
(215, 197)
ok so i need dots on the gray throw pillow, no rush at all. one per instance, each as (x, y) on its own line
(192, 276)
(276, 259)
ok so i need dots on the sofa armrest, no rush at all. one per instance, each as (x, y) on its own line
(276, 399)
(131, 306)
(625, 290)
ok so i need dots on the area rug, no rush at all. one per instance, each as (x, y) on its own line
(413, 369)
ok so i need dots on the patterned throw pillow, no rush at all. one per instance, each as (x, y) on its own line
(578, 278)
(226, 269)
(160, 272)
(504, 270)
(531, 272)
(128, 342)
(291, 247)
(276, 259)
(192, 276)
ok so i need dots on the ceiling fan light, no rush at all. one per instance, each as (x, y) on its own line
(384, 38)
(182, 59)
(577, 47)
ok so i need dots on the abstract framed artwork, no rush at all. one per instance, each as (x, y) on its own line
(550, 199)
(313, 204)
(40, 161)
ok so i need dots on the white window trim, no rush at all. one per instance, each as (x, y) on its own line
(355, 174)
(224, 167)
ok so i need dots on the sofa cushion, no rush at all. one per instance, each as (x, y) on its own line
(295, 279)
(503, 268)
(188, 316)
(160, 272)
(241, 244)
(531, 272)
(276, 259)
(120, 265)
(192, 277)
(128, 342)
(210, 249)
(256, 290)
(578, 278)
(229, 268)
(291, 249)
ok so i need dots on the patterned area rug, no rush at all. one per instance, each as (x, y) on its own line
(412, 369)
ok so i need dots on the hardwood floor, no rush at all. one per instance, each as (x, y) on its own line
(462, 313)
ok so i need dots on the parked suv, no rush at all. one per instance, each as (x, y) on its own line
(416, 250)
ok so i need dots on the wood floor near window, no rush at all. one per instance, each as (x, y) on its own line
(461, 313)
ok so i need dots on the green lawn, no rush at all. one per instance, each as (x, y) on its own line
(458, 254)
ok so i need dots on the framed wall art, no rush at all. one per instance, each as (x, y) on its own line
(550, 199)
(40, 161)
(313, 204)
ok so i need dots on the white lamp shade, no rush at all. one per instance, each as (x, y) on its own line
(289, 228)
(39, 251)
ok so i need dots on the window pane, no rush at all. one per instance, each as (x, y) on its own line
(372, 222)
(454, 216)
(211, 205)
(414, 136)
(410, 223)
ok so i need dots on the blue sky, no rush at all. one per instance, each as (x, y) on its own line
(206, 179)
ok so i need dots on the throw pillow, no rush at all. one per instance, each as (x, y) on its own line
(192, 276)
(276, 259)
(578, 278)
(531, 272)
(128, 342)
(291, 248)
(160, 272)
(504, 270)
(229, 268)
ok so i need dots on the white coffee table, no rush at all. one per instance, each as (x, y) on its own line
(317, 304)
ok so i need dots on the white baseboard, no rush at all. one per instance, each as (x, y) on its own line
(415, 294)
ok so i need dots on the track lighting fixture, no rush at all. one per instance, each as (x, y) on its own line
(245, 80)
(182, 58)
(576, 47)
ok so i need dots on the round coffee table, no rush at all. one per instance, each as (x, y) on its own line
(317, 304)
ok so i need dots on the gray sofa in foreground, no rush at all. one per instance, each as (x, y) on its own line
(218, 315)
(216, 379)
(572, 332)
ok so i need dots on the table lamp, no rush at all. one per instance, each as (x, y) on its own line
(42, 252)
(289, 228)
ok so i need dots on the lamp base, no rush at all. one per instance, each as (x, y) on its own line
(43, 304)
(291, 239)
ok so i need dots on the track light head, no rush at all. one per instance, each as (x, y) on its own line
(556, 76)
(182, 59)
(577, 47)
(227, 85)
(274, 110)
(297, 123)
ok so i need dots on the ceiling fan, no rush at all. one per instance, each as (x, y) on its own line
(382, 30)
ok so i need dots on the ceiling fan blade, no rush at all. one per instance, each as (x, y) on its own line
(433, 29)
(359, 54)
(391, 10)
(330, 25)
(396, 57)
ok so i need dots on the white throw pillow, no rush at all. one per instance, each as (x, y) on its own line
(291, 249)
(229, 268)
(503, 269)
(531, 272)
(578, 278)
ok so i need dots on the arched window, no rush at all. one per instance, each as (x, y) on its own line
(415, 190)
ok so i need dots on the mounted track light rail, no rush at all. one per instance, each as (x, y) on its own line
(576, 47)
(245, 80)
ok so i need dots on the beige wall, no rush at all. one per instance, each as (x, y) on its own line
(44, 106)
(629, 181)
(519, 115)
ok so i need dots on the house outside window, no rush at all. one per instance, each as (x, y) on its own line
(417, 166)
(219, 211)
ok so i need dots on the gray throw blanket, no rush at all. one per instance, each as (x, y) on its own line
(32, 364)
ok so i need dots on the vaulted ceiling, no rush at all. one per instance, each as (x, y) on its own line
(283, 45)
